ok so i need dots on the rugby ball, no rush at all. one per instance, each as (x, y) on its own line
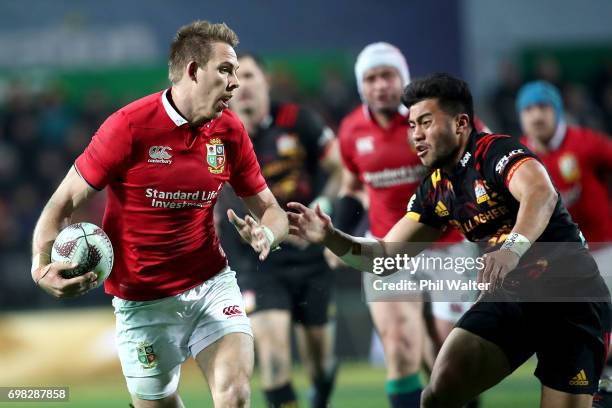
(88, 246)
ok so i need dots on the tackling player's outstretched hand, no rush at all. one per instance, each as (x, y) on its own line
(306, 223)
(251, 232)
(49, 278)
(497, 265)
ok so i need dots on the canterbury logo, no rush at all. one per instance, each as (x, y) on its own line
(579, 379)
(441, 209)
(232, 310)
(159, 154)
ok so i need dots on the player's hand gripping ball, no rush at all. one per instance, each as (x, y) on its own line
(88, 246)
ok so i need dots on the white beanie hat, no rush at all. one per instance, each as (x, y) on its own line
(380, 54)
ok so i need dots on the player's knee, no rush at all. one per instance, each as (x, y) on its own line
(400, 350)
(171, 401)
(233, 394)
(429, 399)
(275, 367)
(439, 392)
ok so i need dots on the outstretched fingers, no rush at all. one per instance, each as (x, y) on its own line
(234, 219)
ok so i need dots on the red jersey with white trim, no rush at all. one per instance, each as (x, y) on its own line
(163, 178)
(578, 163)
(387, 164)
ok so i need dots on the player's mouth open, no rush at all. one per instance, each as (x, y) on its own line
(225, 101)
(421, 150)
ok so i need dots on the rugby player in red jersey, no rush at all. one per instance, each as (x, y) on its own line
(512, 319)
(163, 160)
(579, 161)
(381, 169)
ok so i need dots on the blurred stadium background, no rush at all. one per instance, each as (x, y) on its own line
(64, 66)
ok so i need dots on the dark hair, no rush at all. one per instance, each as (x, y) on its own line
(255, 57)
(193, 42)
(453, 94)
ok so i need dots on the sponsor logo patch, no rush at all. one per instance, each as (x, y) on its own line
(465, 159)
(441, 210)
(160, 155)
(579, 379)
(146, 355)
(480, 191)
(232, 311)
(215, 156)
(365, 144)
(568, 166)
(499, 167)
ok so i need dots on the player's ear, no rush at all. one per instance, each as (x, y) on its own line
(462, 121)
(192, 70)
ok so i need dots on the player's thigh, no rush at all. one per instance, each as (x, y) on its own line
(268, 303)
(222, 339)
(467, 365)
(311, 291)
(228, 362)
(146, 387)
(151, 340)
(552, 398)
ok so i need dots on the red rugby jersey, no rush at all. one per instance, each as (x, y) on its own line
(163, 178)
(387, 164)
(579, 161)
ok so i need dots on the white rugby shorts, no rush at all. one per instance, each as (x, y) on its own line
(154, 338)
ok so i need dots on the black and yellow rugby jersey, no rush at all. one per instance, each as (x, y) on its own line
(474, 197)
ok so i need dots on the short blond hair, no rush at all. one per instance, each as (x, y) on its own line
(193, 42)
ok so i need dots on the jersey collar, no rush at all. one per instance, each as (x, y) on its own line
(558, 137)
(176, 117)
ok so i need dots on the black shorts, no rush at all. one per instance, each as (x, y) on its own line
(304, 289)
(570, 339)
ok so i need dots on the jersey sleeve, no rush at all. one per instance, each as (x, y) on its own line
(347, 149)
(421, 208)
(107, 155)
(246, 178)
(499, 156)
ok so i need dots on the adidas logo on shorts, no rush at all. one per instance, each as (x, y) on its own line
(579, 379)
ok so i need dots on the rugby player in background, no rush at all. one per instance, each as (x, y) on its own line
(293, 287)
(506, 326)
(579, 162)
(382, 170)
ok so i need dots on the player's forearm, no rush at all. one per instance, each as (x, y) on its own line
(356, 252)
(276, 220)
(536, 208)
(47, 227)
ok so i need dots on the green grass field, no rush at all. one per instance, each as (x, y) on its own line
(359, 386)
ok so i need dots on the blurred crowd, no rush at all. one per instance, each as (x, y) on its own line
(42, 131)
